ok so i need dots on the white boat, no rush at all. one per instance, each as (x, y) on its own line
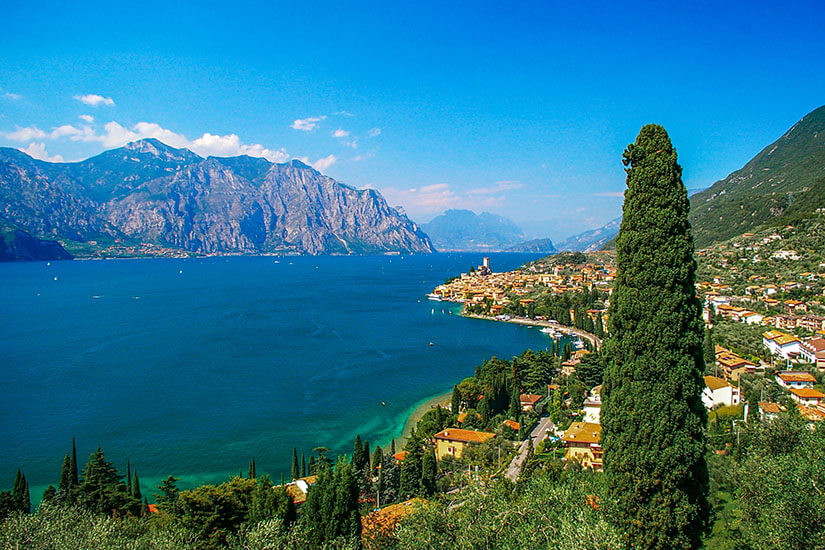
(434, 297)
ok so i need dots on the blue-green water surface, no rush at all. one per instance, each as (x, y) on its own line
(190, 367)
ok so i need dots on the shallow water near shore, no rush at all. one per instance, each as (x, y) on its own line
(191, 367)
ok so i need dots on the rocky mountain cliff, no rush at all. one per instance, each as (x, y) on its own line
(148, 192)
(17, 245)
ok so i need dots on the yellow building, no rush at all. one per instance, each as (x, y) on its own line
(582, 441)
(453, 441)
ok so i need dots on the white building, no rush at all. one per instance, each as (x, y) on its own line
(807, 396)
(593, 406)
(781, 343)
(719, 392)
(791, 379)
(813, 351)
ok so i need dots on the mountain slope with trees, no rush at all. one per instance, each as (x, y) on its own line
(786, 180)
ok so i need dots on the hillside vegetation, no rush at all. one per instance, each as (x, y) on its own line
(783, 183)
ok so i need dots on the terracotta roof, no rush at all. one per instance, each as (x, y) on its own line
(582, 432)
(814, 415)
(714, 382)
(465, 436)
(789, 376)
(400, 456)
(807, 393)
(512, 424)
(153, 508)
(771, 408)
(529, 398)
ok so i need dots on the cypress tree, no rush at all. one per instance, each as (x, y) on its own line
(377, 457)
(709, 349)
(65, 484)
(20, 493)
(136, 487)
(251, 474)
(75, 481)
(144, 507)
(357, 451)
(303, 465)
(312, 468)
(296, 473)
(653, 417)
(455, 404)
(429, 471)
(392, 447)
(128, 477)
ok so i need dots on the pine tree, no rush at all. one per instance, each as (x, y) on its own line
(251, 474)
(168, 496)
(49, 493)
(296, 473)
(103, 490)
(303, 465)
(653, 418)
(312, 467)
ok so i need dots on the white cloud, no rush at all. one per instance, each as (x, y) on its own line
(374, 132)
(340, 133)
(343, 113)
(14, 97)
(353, 144)
(26, 134)
(94, 100)
(65, 130)
(496, 188)
(307, 124)
(38, 151)
(87, 118)
(320, 164)
(114, 134)
(616, 194)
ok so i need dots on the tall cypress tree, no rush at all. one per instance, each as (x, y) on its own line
(20, 493)
(653, 417)
(136, 487)
(709, 348)
(128, 477)
(296, 473)
(252, 474)
(455, 404)
(75, 481)
(303, 465)
(65, 484)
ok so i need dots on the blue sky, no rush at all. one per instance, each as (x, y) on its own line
(520, 109)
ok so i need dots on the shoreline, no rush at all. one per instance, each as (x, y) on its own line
(416, 414)
(535, 323)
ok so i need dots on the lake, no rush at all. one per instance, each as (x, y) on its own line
(191, 367)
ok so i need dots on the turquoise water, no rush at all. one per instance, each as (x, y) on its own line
(190, 367)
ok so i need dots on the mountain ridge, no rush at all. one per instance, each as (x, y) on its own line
(785, 177)
(150, 192)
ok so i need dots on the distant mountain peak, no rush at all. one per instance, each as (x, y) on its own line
(458, 229)
(157, 148)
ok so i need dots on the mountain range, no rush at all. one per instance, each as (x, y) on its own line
(464, 230)
(149, 192)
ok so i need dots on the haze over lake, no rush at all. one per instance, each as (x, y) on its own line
(191, 367)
